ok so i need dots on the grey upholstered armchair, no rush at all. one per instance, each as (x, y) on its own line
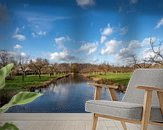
(142, 103)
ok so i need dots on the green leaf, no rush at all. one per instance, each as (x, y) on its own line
(8, 126)
(20, 99)
(4, 72)
(2, 84)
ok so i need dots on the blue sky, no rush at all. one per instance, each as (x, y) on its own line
(93, 31)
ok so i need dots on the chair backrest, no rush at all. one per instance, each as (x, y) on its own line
(146, 77)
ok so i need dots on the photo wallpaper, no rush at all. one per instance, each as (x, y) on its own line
(56, 47)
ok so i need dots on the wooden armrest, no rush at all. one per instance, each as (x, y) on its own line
(148, 88)
(103, 85)
(111, 89)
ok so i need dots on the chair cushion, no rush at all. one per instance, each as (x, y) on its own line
(125, 110)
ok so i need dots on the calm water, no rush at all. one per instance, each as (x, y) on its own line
(68, 95)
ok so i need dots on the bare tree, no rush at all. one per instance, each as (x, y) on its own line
(104, 68)
(52, 68)
(4, 57)
(133, 61)
(38, 65)
(158, 53)
(22, 64)
(136, 63)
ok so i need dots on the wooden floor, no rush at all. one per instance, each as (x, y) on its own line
(58, 121)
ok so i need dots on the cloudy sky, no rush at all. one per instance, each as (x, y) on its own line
(93, 31)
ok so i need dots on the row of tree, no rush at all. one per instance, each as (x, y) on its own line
(24, 65)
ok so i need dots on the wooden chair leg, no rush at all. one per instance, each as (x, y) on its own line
(160, 98)
(97, 93)
(94, 123)
(146, 110)
(112, 92)
(97, 96)
(124, 125)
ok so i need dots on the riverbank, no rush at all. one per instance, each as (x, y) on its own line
(31, 81)
(119, 79)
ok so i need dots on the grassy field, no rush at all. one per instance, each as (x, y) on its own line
(30, 80)
(116, 78)
(17, 84)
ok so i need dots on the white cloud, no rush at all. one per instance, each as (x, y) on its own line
(17, 30)
(23, 54)
(89, 48)
(147, 41)
(159, 24)
(39, 34)
(84, 3)
(40, 21)
(103, 38)
(123, 30)
(62, 56)
(140, 49)
(110, 47)
(60, 41)
(147, 53)
(105, 33)
(17, 46)
(133, 1)
(127, 52)
(34, 34)
(19, 37)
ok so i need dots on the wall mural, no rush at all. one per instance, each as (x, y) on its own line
(57, 46)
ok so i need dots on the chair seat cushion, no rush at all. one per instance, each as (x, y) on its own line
(131, 111)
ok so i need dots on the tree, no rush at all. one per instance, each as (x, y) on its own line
(104, 67)
(52, 68)
(38, 65)
(138, 63)
(22, 64)
(158, 53)
(4, 57)
(74, 68)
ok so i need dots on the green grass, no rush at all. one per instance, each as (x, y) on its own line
(117, 78)
(30, 80)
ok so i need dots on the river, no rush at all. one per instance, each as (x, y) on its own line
(68, 95)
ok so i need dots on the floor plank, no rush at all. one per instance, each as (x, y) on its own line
(57, 121)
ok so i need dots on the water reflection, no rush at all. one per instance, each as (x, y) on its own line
(66, 96)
